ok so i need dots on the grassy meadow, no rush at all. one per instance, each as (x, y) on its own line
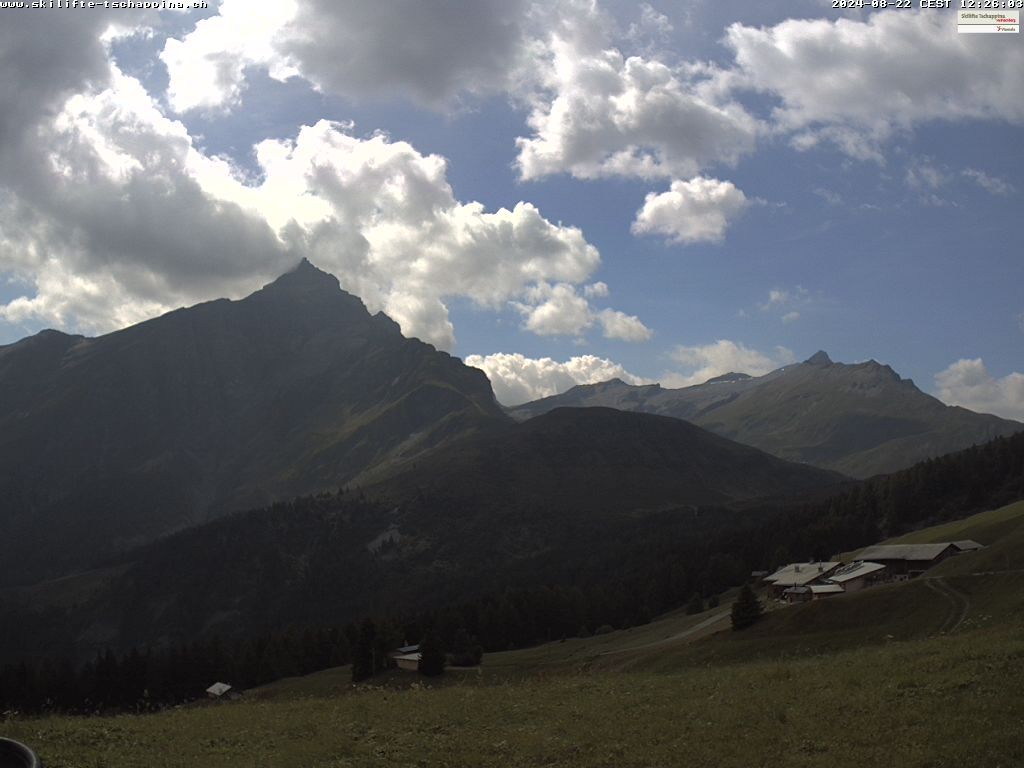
(904, 675)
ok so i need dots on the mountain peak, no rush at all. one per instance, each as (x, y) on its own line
(819, 358)
(305, 276)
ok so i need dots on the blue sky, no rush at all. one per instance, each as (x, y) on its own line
(557, 192)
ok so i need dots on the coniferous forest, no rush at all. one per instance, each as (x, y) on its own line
(593, 580)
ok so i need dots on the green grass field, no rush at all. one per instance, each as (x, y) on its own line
(925, 674)
(942, 701)
(985, 527)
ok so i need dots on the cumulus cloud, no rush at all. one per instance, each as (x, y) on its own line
(969, 384)
(518, 379)
(594, 111)
(46, 57)
(698, 210)
(112, 223)
(430, 53)
(206, 68)
(119, 216)
(700, 363)
(559, 310)
(599, 113)
(854, 83)
(619, 325)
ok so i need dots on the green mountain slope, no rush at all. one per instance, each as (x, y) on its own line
(524, 505)
(109, 442)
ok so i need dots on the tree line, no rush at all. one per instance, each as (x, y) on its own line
(617, 577)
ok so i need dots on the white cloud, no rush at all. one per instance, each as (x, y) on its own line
(206, 68)
(854, 83)
(429, 53)
(111, 223)
(517, 379)
(701, 363)
(968, 383)
(925, 176)
(652, 26)
(619, 325)
(787, 303)
(558, 310)
(989, 183)
(698, 210)
(123, 217)
(599, 113)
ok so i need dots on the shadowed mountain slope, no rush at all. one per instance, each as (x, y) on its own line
(523, 504)
(860, 419)
(603, 460)
(111, 441)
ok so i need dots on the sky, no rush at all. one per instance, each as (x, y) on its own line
(557, 192)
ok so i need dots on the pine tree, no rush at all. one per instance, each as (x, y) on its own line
(747, 608)
(466, 651)
(364, 663)
(432, 656)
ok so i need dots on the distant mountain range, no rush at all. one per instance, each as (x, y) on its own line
(127, 452)
(860, 420)
(109, 442)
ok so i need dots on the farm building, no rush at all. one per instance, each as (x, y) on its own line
(905, 561)
(856, 576)
(968, 545)
(221, 691)
(811, 592)
(798, 575)
(407, 657)
(410, 662)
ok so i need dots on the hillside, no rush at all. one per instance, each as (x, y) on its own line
(602, 459)
(109, 442)
(557, 500)
(860, 420)
(908, 692)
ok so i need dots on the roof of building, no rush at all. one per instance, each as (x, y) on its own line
(904, 551)
(966, 545)
(798, 574)
(407, 649)
(218, 689)
(407, 657)
(852, 571)
(826, 589)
